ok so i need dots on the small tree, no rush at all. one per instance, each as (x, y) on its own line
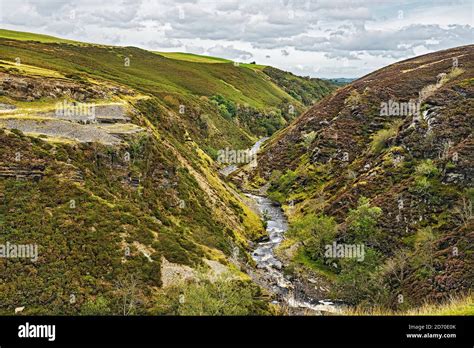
(360, 282)
(464, 210)
(362, 222)
(315, 232)
(222, 295)
(128, 288)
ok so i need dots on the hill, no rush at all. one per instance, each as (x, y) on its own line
(106, 165)
(386, 164)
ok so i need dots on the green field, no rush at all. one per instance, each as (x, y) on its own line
(191, 57)
(197, 58)
(24, 36)
(173, 78)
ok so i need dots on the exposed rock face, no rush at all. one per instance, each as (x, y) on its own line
(25, 88)
(34, 172)
(86, 133)
(173, 273)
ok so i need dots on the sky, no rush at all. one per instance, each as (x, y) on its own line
(318, 38)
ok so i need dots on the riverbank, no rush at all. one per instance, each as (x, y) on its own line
(288, 291)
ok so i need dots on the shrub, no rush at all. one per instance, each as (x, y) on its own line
(99, 306)
(426, 168)
(362, 222)
(222, 296)
(380, 139)
(314, 232)
(359, 282)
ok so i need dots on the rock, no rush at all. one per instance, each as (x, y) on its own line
(454, 178)
(7, 107)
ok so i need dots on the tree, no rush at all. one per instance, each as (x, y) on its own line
(222, 295)
(362, 222)
(128, 288)
(315, 232)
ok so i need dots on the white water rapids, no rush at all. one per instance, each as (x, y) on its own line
(266, 260)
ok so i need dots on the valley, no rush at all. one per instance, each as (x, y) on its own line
(111, 164)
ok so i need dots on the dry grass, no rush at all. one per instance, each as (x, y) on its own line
(460, 305)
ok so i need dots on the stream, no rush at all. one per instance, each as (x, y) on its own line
(253, 150)
(269, 272)
(271, 268)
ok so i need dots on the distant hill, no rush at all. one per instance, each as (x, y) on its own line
(341, 81)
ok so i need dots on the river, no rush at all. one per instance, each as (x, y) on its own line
(253, 151)
(271, 274)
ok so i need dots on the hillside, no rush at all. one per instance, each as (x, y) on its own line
(384, 163)
(106, 163)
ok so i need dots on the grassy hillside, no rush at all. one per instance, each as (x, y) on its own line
(453, 306)
(398, 184)
(306, 90)
(122, 200)
(190, 57)
(24, 36)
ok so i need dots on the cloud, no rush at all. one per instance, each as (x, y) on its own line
(195, 49)
(163, 43)
(365, 34)
(229, 52)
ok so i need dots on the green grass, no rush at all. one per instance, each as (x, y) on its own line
(303, 259)
(24, 36)
(253, 66)
(149, 72)
(25, 69)
(197, 58)
(191, 57)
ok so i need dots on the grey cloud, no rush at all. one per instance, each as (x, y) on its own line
(163, 43)
(344, 30)
(195, 49)
(229, 52)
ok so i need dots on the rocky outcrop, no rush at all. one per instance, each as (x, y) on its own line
(34, 172)
(25, 88)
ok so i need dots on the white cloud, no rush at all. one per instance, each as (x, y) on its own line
(365, 34)
(229, 52)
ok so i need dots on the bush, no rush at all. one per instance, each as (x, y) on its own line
(314, 232)
(426, 168)
(360, 282)
(362, 222)
(99, 306)
(380, 139)
(226, 107)
(221, 296)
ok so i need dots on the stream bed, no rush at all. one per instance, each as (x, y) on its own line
(270, 268)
